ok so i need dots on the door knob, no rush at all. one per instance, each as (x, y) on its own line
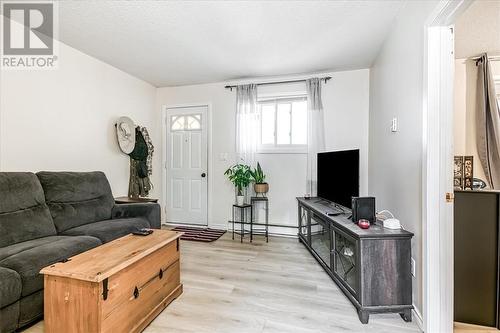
(203, 175)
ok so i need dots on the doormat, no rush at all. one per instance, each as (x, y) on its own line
(200, 234)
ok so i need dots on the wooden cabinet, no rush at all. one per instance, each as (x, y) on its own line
(476, 258)
(371, 266)
(118, 287)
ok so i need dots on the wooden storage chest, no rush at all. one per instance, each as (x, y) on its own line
(120, 286)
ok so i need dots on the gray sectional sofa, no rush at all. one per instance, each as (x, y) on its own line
(48, 217)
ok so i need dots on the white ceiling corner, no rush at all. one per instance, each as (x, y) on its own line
(477, 30)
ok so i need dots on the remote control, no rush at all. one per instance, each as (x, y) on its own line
(143, 232)
(333, 214)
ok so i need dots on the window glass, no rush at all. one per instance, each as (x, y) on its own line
(283, 120)
(299, 119)
(267, 124)
(177, 123)
(185, 123)
(283, 123)
(193, 122)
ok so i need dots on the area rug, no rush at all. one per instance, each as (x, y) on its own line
(200, 234)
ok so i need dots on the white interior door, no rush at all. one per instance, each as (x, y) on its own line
(186, 164)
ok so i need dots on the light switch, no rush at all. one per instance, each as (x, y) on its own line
(394, 125)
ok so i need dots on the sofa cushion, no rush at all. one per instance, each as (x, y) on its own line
(23, 212)
(10, 286)
(23, 246)
(31, 308)
(110, 229)
(9, 318)
(76, 198)
(28, 263)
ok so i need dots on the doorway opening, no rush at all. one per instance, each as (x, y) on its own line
(476, 220)
(439, 149)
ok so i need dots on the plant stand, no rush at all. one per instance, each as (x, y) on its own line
(243, 220)
(246, 217)
(253, 201)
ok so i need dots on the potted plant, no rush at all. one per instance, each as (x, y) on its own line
(258, 176)
(240, 176)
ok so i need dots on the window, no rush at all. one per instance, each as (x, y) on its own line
(283, 124)
(185, 123)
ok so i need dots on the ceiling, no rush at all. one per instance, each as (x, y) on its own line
(169, 43)
(477, 30)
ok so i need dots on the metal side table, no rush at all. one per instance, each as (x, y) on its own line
(253, 202)
(243, 219)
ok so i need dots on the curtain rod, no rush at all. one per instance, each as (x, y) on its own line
(492, 58)
(326, 78)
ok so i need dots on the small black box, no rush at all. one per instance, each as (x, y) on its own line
(363, 208)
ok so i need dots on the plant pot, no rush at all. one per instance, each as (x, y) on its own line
(240, 200)
(261, 188)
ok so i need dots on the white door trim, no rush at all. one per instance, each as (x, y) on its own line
(437, 166)
(164, 109)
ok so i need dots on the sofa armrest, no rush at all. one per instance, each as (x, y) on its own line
(151, 211)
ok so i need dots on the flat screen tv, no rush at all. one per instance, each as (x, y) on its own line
(338, 176)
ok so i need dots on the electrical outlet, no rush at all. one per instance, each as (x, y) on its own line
(413, 267)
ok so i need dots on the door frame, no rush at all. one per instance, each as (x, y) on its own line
(164, 109)
(437, 166)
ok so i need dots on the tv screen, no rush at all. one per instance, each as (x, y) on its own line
(338, 176)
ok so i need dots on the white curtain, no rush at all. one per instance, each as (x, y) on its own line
(315, 133)
(247, 123)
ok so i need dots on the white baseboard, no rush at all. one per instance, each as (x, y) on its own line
(274, 231)
(171, 224)
(214, 226)
(220, 226)
(417, 317)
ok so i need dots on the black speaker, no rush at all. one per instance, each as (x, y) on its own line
(363, 208)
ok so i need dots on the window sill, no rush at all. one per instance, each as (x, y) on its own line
(282, 151)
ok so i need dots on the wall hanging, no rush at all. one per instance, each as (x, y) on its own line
(136, 143)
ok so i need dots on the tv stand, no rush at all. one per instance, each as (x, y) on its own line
(371, 266)
(331, 205)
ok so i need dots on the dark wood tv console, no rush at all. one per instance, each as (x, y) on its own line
(371, 266)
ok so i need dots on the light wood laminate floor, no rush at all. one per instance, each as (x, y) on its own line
(260, 288)
(467, 328)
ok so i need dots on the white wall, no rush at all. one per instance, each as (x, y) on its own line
(64, 119)
(395, 159)
(345, 100)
